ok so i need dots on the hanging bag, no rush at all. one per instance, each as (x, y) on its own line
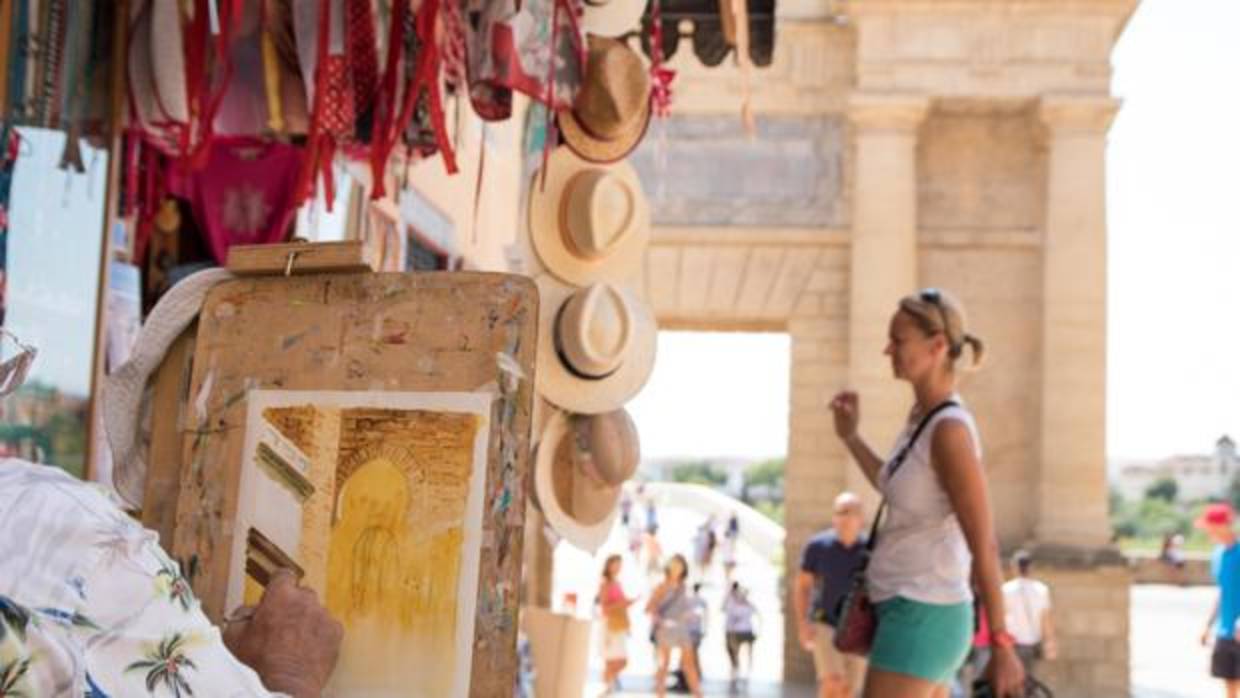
(858, 621)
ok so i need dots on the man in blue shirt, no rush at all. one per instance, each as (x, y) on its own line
(827, 566)
(1217, 521)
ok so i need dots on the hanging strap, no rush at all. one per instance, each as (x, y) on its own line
(898, 461)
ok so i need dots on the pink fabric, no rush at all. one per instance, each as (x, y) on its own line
(982, 637)
(246, 194)
(613, 594)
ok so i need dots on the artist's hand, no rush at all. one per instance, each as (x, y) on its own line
(806, 632)
(846, 408)
(290, 641)
(1005, 673)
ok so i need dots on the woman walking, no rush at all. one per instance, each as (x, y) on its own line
(740, 630)
(671, 610)
(615, 610)
(939, 531)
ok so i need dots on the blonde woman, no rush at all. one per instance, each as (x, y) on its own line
(671, 610)
(615, 610)
(939, 531)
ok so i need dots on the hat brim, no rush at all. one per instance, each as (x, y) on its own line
(616, 18)
(546, 224)
(603, 150)
(562, 387)
(587, 536)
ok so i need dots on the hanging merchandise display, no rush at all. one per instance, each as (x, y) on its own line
(611, 112)
(245, 194)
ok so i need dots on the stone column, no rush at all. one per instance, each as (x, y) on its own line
(884, 256)
(1073, 493)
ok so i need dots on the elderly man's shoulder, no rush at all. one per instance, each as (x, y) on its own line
(21, 477)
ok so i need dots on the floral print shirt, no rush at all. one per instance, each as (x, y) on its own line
(91, 607)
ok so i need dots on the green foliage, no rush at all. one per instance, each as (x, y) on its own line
(699, 473)
(770, 473)
(1165, 489)
(771, 510)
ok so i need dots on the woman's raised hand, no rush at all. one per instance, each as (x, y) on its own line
(846, 408)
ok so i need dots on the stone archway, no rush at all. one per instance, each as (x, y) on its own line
(919, 143)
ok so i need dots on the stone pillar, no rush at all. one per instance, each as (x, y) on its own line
(884, 257)
(1072, 508)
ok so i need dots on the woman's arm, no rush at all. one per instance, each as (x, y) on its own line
(960, 472)
(865, 456)
(655, 598)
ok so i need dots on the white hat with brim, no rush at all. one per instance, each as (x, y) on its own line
(588, 222)
(124, 392)
(612, 17)
(579, 508)
(596, 345)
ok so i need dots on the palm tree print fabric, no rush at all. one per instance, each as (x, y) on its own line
(91, 607)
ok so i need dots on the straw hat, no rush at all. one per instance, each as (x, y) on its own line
(597, 345)
(579, 467)
(612, 17)
(590, 222)
(124, 390)
(612, 109)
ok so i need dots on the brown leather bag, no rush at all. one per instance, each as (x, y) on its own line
(858, 620)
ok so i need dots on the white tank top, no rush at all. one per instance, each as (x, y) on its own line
(921, 553)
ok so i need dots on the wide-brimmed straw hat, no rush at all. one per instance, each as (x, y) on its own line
(589, 222)
(596, 345)
(612, 109)
(580, 465)
(124, 390)
(612, 17)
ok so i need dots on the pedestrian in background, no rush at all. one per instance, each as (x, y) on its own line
(671, 612)
(740, 630)
(1218, 521)
(614, 608)
(828, 563)
(1028, 603)
(939, 532)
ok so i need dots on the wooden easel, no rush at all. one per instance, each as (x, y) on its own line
(287, 326)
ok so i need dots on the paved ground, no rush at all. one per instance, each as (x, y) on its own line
(1167, 660)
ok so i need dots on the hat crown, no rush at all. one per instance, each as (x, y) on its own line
(615, 91)
(595, 330)
(600, 212)
(612, 442)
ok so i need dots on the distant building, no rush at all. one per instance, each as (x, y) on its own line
(1197, 476)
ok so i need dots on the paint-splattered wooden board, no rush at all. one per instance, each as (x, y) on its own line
(431, 332)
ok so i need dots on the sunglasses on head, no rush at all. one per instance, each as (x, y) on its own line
(934, 297)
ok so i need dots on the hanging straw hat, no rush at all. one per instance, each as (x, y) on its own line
(579, 467)
(612, 17)
(596, 346)
(124, 389)
(589, 222)
(612, 110)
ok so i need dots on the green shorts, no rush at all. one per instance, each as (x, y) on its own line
(928, 641)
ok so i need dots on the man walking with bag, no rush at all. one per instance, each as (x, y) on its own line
(827, 566)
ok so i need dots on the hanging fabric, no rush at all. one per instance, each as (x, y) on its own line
(245, 194)
(363, 61)
(661, 76)
(414, 52)
(10, 145)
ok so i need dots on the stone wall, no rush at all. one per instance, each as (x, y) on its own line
(705, 170)
(1091, 611)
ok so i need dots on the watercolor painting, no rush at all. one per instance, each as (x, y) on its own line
(378, 497)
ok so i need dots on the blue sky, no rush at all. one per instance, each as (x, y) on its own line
(1174, 276)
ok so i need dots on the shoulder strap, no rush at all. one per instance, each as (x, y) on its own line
(898, 461)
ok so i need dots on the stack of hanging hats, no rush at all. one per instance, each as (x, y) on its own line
(589, 228)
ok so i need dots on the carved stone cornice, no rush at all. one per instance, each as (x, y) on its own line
(887, 111)
(1013, 48)
(1078, 114)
